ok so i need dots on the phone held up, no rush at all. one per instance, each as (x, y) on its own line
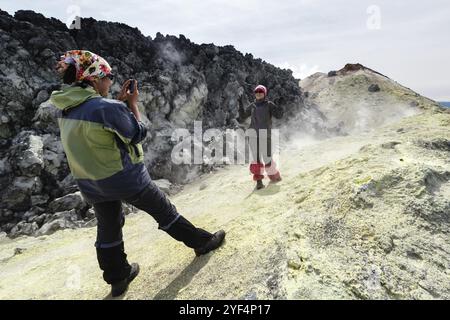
(131, 87)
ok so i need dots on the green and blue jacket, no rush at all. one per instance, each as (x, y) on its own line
(101, 138)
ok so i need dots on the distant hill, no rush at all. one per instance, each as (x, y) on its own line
(445, 104)
(357, 98)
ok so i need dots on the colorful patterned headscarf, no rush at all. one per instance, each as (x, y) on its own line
(89, 66)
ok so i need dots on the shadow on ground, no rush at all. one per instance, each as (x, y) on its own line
(183, 279)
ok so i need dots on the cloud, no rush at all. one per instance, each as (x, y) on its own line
(300, 71)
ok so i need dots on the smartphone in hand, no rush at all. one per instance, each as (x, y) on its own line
(131, 87)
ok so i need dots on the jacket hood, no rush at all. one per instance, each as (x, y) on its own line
(71, 96)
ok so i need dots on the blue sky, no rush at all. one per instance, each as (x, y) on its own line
(405, 40)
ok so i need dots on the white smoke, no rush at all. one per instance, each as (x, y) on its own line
(310, 127)
(367, 117)
(168, 51)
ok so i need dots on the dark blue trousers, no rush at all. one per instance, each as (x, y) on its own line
(110, 220)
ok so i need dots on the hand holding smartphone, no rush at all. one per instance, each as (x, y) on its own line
(131, 86)
(129, 93)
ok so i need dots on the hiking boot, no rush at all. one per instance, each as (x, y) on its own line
(118, 288)
(259, 184)
(215, 242)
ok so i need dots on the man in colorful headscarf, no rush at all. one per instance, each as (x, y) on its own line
(261, 112)
(102, 141)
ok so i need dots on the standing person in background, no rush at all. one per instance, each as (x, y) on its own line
(101, 138)
(261, 112)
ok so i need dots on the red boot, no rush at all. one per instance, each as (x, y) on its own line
(272, 171)
(258, 171)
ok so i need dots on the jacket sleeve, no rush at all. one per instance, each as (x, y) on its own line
(276, 111)
(244, 113)
(118, 117)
